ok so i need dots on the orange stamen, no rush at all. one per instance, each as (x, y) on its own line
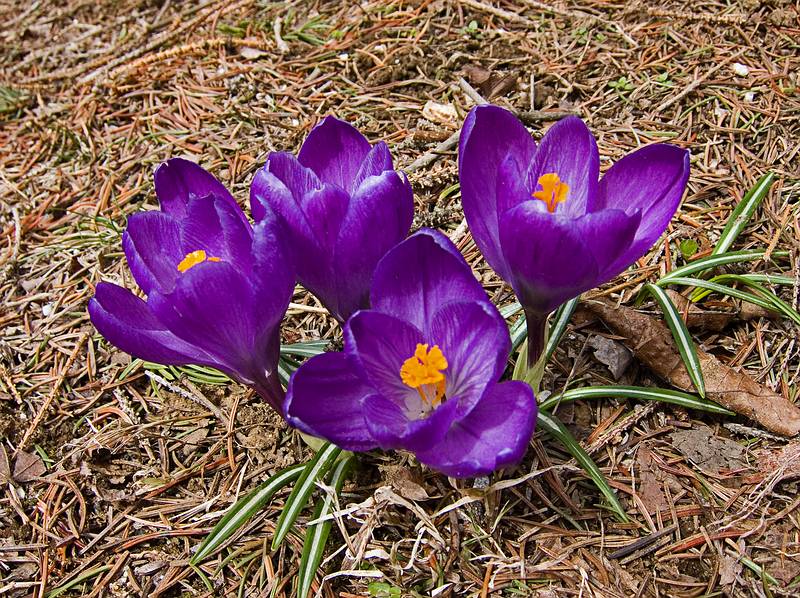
(193, 258)
(423, 371)
(553, 190)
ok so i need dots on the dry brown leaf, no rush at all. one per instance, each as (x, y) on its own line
(651, 342)
(697, 317)
(28, 467)
(708, 451)
(611, 354)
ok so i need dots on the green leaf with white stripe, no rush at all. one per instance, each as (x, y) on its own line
(519, 330)
(313, 471)
(681, 336)
(663, 395)
(244, 509)
(715, 260)
(778, 304)
(742, 213)
(317, 534)
(557, 430)
(723, 290)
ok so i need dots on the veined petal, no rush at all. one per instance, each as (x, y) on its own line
(569, 150)
(488, 136)
(212, 225)
(213, 308)
(380, 344)
(376, 162)
(280, 185)
(334, 150)
(494, 434)
(420, 275)
(651, 180)
(127, 323)
(178, 180)
(378, 217)
(548, 258)
(475, 340)
(151, 243)
(325, 398)
(392, 427)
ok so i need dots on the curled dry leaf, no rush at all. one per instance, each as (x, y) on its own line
(651, 343)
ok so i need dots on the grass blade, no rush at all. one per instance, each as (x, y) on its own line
(715, 260)
(664, 395)
(314, 469)
(307, 349)
(744, 210)
(241, 512)
(722, 289)
(557, 430)
(681, 335)
(317, 534)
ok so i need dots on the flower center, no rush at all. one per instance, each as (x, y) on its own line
(553, 190)
(423, 371)
(193, 258)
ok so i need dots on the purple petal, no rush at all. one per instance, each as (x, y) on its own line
(178, 180)
(377, 161)
(272, 278)
(393, 427)
(380, 344)
(127, 323)
(474, 339)
(378, 217)
(334, 150)
(651, 180)
(325, 397)
(151, 244)
(494, 434)
(419, 276)
(569, 150)
(212, 225)
(548, 257)
(488, 136)
(213, 307)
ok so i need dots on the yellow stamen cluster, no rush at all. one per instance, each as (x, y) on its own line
(553, 190)
(194, 258)
(423, 371)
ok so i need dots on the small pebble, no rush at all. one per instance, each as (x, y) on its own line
(740, 69)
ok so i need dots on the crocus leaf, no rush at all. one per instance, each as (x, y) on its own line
(674, 397)
(681, 336)
(724, 290)
(559, 325)
(779, 304)
(712, 261)
(314, 470)
(317, 534)
(307, 349)
(744, 210)
(559, 431)
(241, 512)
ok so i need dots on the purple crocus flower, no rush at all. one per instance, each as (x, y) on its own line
(216, 287)
(542, 219)
(343, 207)
(420, 369)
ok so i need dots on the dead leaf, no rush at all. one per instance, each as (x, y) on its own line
(28, 467)
(709, 452)
(729, 569)
(404, 482)
(490, 84)
(651, 342)
(697, 317)
(784, 462)
(611, 354)
(650, 488)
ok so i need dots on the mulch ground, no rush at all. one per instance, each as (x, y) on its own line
(112, 476)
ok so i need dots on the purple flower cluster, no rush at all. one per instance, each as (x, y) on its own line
(424, 347)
